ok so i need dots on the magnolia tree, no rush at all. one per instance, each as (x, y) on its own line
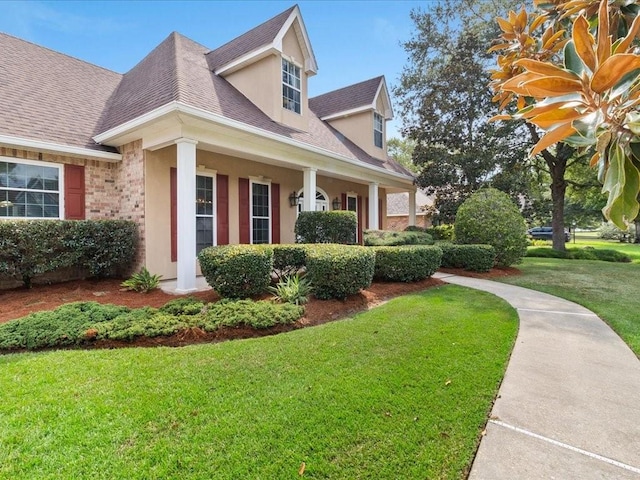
(572, 69)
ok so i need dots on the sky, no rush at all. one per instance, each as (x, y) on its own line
(352, 40)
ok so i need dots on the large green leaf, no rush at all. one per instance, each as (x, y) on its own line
(571, 59)
(622, 182)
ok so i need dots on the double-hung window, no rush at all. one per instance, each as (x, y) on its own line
(290, 86)
(260, 212)
(378, 129)
(205, 224)
(352, 206)
(30, 189)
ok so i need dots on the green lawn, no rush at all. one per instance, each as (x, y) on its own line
(401, 391)
(608, 289)
(584, 239)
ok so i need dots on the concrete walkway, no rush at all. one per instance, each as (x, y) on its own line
(569, 404)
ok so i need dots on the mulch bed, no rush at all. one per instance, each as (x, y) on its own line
(19, 302)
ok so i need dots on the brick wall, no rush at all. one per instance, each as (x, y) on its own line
(400, 222)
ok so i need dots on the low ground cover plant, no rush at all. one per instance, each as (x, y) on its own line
(390, 238)
(406, 264)
(585, 253)
(81, 322)
(475, 258)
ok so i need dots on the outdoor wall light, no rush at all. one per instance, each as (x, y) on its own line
(293, 199)
(5, 204)
(336, 204)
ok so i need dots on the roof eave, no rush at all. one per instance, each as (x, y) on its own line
(58, 148)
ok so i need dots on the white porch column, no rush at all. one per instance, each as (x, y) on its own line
(309, 190)
(373, 207)
(186, 180)
(412, 207)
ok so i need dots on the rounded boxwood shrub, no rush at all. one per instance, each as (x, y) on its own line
(375, 238)
(337, 271)
(406, 264)
(476, 258)
(288, 259)
(237, 271)
(490, 217)
(337, 226)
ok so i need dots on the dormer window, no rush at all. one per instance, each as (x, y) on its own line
(290, 86)
(378, 129)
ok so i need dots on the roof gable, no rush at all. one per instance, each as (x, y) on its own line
(355, 98)
(261, 41)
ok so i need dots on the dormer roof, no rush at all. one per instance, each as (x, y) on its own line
(262, 41)
(353, 99)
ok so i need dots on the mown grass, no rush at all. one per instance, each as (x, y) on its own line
(608, 289)
(401, 391)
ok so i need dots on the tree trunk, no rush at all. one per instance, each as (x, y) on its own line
(636, 238)
(558, 187)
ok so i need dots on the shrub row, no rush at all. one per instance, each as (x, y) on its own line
(587, 253)
(477, 258)
(406, 264)
(337, 226)
(380, 238)
(29, 248)
(80, 322)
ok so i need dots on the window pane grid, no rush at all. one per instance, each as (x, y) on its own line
(260, 213)
(378, 127)
(204, 212)
(29, 191)
(290, 86)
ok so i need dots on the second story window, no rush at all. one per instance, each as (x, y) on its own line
(290, 86)
(378, 129)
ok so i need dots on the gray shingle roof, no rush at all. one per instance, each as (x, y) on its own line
(253, 39)
(347, 98)
(50, 96)
(81, 100)
(398, 203)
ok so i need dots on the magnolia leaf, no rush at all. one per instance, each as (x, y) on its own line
(539, 108)
(631, 35)
(495, 118)
(584, 42)
(500, 46)
(545, 68)
(537, 22)
(594, 160)
(625, 83)
(604, 40)
(572, 60)
(505, 25)
(550, 86)
(559, 115)
(624, 207)
(613, 70)
(552, 137)
(548, 44)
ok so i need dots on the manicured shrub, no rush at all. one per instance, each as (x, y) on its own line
(233, 313)
(337, 226)
(406, 264)
(292, 289)
(476, 258)
(288, 259)
(32, 247)
(143, 281)
(183, 306)
(380, 238)
(415, 228)
(605, 255)
(442, 232)
(337, 271)
(237, 271)
(490, 217)
(66, 325)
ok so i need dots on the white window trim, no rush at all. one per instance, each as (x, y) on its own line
(267, 182)
(318, 190)
(299, 90)
(61, 198)
(346, 207)
(375, 129)
(202, 172)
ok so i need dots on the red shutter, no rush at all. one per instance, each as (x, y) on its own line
(360, 219)
(275, 213)
(173, 187)
(366, 213)
(222, 209)
(380, 213)
(74, 192)
(243, 191)
(344, 201)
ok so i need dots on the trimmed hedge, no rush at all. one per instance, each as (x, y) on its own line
(477, 258)
(381, 238)
(32, 247)
(337, 271)
(337, 226)
(586, 253)
(406, 264)
(237, 271)
(288, 259)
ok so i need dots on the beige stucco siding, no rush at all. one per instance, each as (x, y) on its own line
(359, 129)
(158, 201)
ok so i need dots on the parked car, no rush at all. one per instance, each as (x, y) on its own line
(546, 233)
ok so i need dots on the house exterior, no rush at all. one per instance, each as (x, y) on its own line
(199, 147)
(398, 210)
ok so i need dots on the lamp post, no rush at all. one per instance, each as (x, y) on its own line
(573, 225)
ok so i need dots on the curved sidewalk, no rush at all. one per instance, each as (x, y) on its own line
(569, 404)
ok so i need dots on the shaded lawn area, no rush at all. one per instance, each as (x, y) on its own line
(584, 239)
(608, 289)
(400, 391)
